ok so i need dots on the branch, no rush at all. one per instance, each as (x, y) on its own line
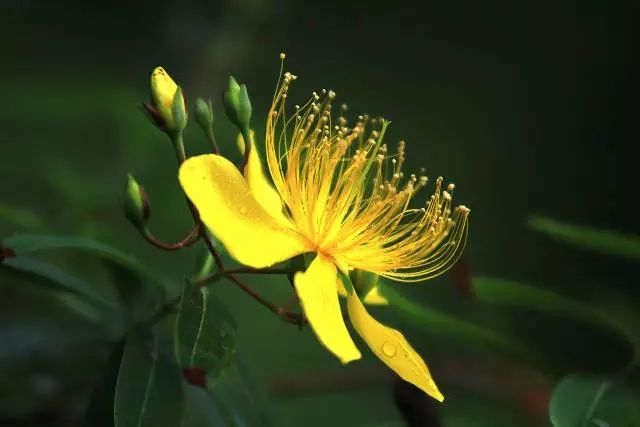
(189, 240)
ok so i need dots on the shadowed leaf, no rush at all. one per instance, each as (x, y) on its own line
(100, 409)
(602, 241)
(48, 275)
(149, 390)
(435, 320)
(30, 243)
(201, 410)
(586, 401)
(514, 294)
(20, 217)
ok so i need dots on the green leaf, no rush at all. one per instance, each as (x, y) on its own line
(205, 333)
(99, 412)
(201, 410)
(134, 296)
(515, 294)
(48, 275)
(242, 399)
(149, 390)
(29, 243)
(588, 401)
(20, 217)
(511, 293)
(602, 241)
(445, 324)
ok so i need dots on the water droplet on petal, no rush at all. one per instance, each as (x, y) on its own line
(243, 210)
(389, 349)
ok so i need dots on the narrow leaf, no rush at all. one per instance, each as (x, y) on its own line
(149, 390)
(20, 217)
(510, 293)
(602, 241)
(48, 275)
(29, 243)
(434, 320)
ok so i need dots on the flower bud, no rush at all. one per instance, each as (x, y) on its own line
(135, 203)
(237, 105)
(167, 108)
(204, 114)
(178, 110)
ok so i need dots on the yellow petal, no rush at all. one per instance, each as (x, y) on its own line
(260, 185)
(317, 292)
(227, 207)
(392, 348)
(342, 291)
(374, 297)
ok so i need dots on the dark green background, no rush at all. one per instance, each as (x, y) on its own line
(529, 107)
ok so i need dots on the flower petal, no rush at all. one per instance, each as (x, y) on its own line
(392, 348)
(259, 183)
(227, 207)
(374, 297)
(319, 298)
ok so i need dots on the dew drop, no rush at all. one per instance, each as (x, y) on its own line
(243, 210)
(389, 349)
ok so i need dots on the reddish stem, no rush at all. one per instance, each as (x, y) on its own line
(189, 240)
(284, 314)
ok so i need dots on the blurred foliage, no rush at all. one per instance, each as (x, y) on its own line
(605, 242)
(580, 400)
(508, 99)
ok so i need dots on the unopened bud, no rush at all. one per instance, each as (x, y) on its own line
(135, 203)
(204, 114)
(237, 105)
(167, 108)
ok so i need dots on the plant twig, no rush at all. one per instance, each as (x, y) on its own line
(189, 240)
(284, 314)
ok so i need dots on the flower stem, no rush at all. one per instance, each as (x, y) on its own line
(190, 239)
(284, 314)
(178, 147)
(212, 140)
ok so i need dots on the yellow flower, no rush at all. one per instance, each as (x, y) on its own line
(338, 194)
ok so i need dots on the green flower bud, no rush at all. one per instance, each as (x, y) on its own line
(204, 114)
(237, 105)
(178, 110)
(167, 108)
(135, 203)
